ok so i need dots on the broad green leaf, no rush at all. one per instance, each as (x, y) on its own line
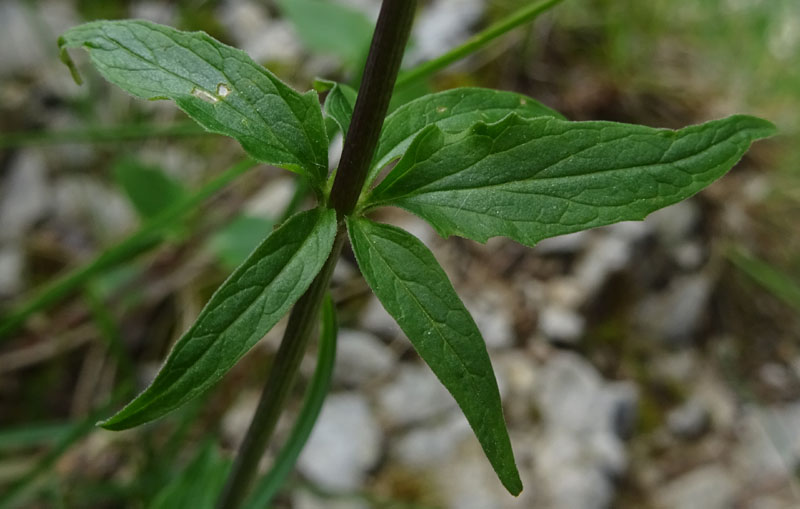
(247, 305)
(234, 242)
(220, 87)
(149, 189)
(451, 111)
(415, 290)
(529, 179)
(266, 488)
(326, 26)
(339, 103)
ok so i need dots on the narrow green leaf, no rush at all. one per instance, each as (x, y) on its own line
(451, 111)
(326, 26)
(198, 485)
(220, 87)
(339, 103)
(415, 290)
(247, 305)
(776, 281)
(529, 179)
(149, 189)
(268, 487)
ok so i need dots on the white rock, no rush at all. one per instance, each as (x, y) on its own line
(573, 397)
(271, 201)
(361, 357)
(445, 24)
(157, 12)
(237, 418)
(345, 444)
(11, 271)
(675, 315)
(80, 197)
(414, 395)
(375, 318)
(492, 315)
(304, 499)
(630, 231)
(21, 50)
(432, 445)
(467, 481)
(689, 255)
(689, 420)
(561, 324)
(606, 255)
(709, 487)
(676, 222)
(264, 39)
(563, 244)
(24, 196)
(769, 449)
(572, 472)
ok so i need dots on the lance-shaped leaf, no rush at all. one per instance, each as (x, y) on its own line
(339, 103)
(529, 179)
(218, 86)
(451, 111)
(415, 290)
(247, 305)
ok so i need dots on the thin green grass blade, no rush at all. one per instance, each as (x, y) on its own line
(147, 237)
(270, 485)
(476, 42)
(775, 281)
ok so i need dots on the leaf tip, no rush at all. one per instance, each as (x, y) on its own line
(63, 55)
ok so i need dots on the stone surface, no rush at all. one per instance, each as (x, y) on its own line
(572, 396)
(492, 315)
(676, 222)
(689, 420)
(413, 396)
(345, 444)
(272, 199)
(25, 195)
(84, 200)
(561, 324)
(676, 314)
(11, 271)
(432, 445)
(704, 488)
(361, 358)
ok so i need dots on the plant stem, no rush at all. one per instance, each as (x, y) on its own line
(383, 63)
(523, 15)
(380, 73)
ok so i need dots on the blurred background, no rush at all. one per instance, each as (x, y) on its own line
(652, 364)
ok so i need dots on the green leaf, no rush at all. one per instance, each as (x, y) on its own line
(234, 243)
(339, 103)
(331, 28)
(198, 485)
(415, 290)
(529, 179)
(247, 305)
(268, 487)
(149, 189)
(220, 87)
(773, 279)
(451, 111)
